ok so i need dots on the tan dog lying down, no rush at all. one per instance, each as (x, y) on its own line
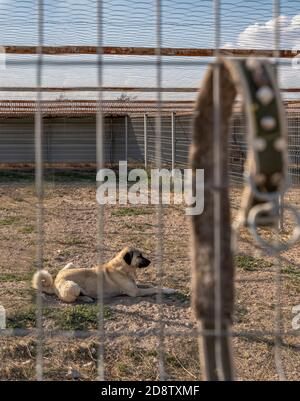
(118, 275)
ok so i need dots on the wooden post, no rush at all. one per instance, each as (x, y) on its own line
(203, 272)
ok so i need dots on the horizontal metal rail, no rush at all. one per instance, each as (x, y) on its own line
(113, 89)
(145, 51)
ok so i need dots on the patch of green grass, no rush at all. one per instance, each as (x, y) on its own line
(131, 211)
(16, 175)
(138, 354)
(240, 313)
(71, 317)
(9, 221)
(249, 263)
(50, 175)
(123, 368)
(291, 270)
(28, 229)
(172, 361)
(152, 353)
(22, 319)
(79, 317)
(292, 278)
(70, 176)
(8, 277)
(135, 354)
(182, 296)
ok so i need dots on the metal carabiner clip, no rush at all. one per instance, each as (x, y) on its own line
(270, 208)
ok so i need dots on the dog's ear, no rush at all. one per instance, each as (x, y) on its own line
(128, 257)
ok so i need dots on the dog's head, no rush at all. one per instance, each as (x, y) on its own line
(134, 258)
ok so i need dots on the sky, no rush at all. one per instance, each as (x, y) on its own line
(185, 23)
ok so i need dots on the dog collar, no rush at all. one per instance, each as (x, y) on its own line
(266, 176)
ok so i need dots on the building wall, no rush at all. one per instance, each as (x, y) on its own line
(16, 141)
(70, 140)
(73, 140)
(66, 140)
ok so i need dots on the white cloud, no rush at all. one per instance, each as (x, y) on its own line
(261, 36)
(229, 45)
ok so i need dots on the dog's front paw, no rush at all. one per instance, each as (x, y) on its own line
(168, 291)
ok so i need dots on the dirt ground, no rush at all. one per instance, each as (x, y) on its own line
(131, 346)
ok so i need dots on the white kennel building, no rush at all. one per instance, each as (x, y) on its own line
(70, 130)
(70, 133)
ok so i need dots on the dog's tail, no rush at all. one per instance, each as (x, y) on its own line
(44, 281)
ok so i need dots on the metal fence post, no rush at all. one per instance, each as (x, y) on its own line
(281, 210)
(111, 140)
(173, 133)
(126, 138)
(145, 139)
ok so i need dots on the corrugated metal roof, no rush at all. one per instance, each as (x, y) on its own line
(76, 108)
(50, 108)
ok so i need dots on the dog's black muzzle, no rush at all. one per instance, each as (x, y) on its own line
(144, 263)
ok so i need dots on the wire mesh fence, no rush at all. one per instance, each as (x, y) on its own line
(72, 139)
(158, 136)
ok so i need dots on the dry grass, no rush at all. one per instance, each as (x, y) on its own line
(70, 235)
